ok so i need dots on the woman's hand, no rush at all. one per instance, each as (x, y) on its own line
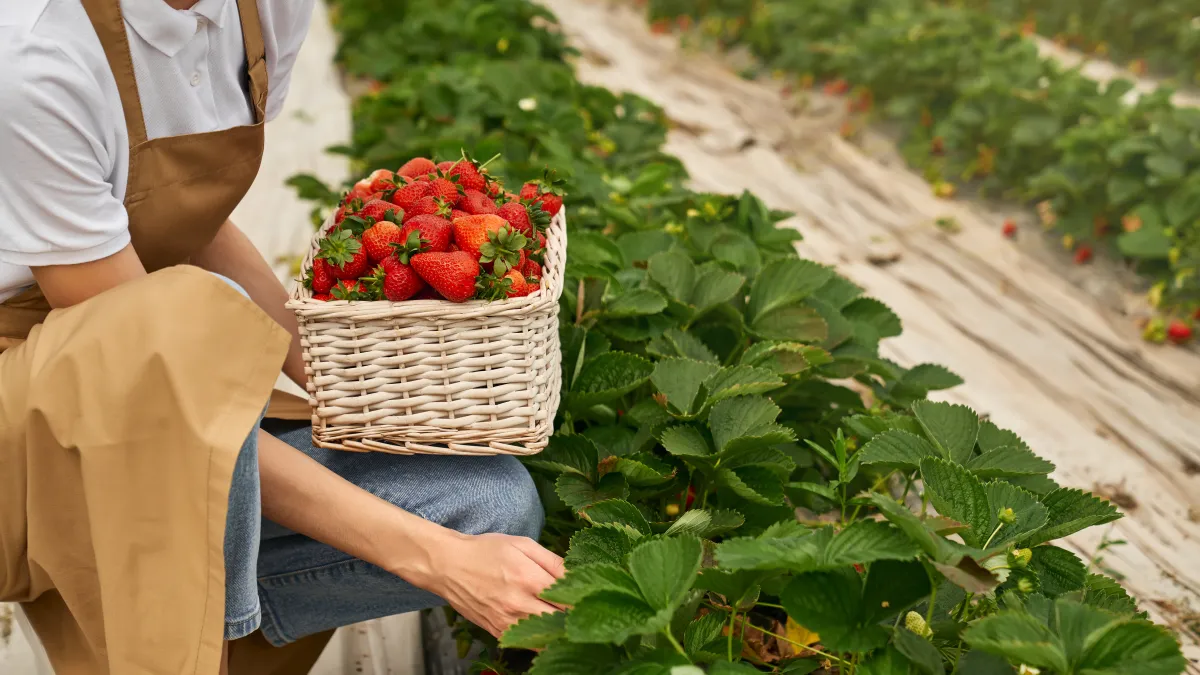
(493, 579)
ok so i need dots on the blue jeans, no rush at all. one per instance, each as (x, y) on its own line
(291, 586)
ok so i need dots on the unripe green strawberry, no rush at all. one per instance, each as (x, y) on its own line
(916, 623)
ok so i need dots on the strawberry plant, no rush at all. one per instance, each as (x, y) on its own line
(739, 481)
(977, 104)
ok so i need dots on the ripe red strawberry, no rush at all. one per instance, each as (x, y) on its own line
(349, 207)
(323, 297)
(319, 279)
(476, 203)
(445, 188)
(346, 257)
(1196, 316)
(378, 240)
(378, 209)
(400, 281)
(444, 166)
(518, 287)
(494, 189)
(525, 220)
(548, 191)
(434, 232)
(419, 166)
(427, 206)
(1179, 332)
(455, 214)
(382, 179)
(469, 175)
(406, 195)
(351, 290)
(451, 274)
(1010, 229)
(531, 269)
(1083, 254)
(472, 232)
(361, 189)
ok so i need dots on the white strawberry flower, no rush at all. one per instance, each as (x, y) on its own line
(1028, 670)
(527, 104)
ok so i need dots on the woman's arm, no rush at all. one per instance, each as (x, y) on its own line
(66, 285)
(231, 254)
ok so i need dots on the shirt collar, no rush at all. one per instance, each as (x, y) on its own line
(169, 30)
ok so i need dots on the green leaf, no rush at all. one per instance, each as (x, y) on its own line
(567, 454)
(1020, 638)
(665, 569)
(1058, 570)
(895, 448)
(893, 586)
(830, 603)
(680, 380)
(675, 272)
(674, 342)
(863, 542)
(636, 246)
(1008, 462)
(685, 441)
(1146, 243)
(642, 470)
(798, 323)
(958, 494)
(599, 544)
(535, 632)
(580, 582)
(702, 631)
(887, 662)
(992, 437)
(704, 523)
(982, 663)
(785, 358)
(1132, 646)
(1030, 513)
(952, 428)
(577, 492)
(1104, 593)
(876, 314)
(565, 658)
(785, 282)
(1070, 510)
(608, 377)
(819, 489)
(740, 381)
(868, 541)
(740, 588)
(1166, 167)
(617, 511)
(924, 657)
(637, 302)
(714, 287)
(613, 617)
(736, 417)
(753, 483)
(928, 377)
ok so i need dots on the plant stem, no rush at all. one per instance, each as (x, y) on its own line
(803, 646)
(993, 536)
(772, 606)
(729, 642)
(932, 599)
(675, 643)
(908, 483)
(878, 484)
(579, 304)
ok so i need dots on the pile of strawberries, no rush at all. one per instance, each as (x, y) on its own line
(435, 231)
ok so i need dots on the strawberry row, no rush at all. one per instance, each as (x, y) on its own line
(435, 231)
(978, 106)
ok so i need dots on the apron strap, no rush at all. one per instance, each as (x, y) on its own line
(256, 57)
(109, 25)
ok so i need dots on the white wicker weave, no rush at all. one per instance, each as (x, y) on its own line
(433, 376)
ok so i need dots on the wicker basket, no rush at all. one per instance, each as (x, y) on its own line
(432, 376)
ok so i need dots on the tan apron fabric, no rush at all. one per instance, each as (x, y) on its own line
(121, 418)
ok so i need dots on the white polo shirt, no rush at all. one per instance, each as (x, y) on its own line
(64, 148)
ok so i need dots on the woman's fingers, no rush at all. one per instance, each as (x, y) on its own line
(543, 557)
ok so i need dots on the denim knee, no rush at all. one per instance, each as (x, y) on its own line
(503, 499)
(235, 285)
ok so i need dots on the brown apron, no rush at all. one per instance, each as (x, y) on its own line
(121, 417)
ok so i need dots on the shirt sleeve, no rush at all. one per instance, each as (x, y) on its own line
(57, 205)
(285, 25)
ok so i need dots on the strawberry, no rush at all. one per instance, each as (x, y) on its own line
(1179, 332)
(406, 195)
(382, 179)
(548, 191)
(455, 214)
(434, 232)
(397, 281)
(1009, 229)
(445, 188)
(378, 209)
(476, 203)
(323, 297)
(472, 232)
(348, 208)
(1083, 254)
(445, 166)
(320, 278)
(427, 206)
(530, 269)
(504, 250)
(351, 290)
(345, 255)
(470, 177)
(494, 188)
(419, 166)
(380, 239)
(451, 274)
(518, 286)
(361, 189)
(525, 220)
